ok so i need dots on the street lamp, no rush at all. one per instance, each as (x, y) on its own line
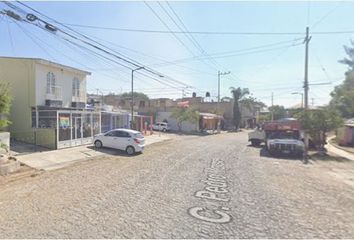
(302, 98)
(220, 74)
(132, 93)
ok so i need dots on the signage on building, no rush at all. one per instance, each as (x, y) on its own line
(64, 122)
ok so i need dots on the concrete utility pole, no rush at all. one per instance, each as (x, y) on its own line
(218, 108)
(272, 107)
(220, 74)
(132, 96)
(306, 91)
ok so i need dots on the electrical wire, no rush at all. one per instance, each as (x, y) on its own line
(129, 61)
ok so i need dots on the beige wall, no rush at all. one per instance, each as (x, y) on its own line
(19, 73)
(63, 79)
(27, 79)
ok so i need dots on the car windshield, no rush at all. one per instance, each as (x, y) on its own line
(284, 135)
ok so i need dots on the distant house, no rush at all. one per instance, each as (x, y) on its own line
(49, 105)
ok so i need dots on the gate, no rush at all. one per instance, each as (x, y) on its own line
(76, 128)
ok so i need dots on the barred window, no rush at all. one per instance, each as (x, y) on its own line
(50, 83)
(76, 87)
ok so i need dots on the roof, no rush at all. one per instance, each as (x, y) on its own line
(47, 62)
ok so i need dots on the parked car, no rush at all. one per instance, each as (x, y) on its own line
(128, 140)
(161, 126)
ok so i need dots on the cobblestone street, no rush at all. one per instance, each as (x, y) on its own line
(188, 187)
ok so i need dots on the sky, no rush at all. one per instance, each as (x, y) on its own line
(271, 63)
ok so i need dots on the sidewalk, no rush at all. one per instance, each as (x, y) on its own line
(55, 159)
(338, 151)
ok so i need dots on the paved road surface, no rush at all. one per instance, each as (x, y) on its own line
(189, 187)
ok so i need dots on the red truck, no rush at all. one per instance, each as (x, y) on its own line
(283, 136)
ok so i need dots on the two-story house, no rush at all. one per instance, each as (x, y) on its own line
(49, 103)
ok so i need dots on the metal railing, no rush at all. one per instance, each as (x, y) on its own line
(55, 93)
(80, 98)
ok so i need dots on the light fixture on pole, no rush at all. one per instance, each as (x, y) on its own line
(132, 90)
(302, 98)
(132, 96)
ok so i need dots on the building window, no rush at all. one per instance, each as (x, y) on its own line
(142, 104)
(76, 87)
(50, 83)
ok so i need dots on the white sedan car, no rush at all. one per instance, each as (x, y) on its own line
(128, 140)
(161, 126)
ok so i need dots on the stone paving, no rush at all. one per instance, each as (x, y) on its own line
(189, 187)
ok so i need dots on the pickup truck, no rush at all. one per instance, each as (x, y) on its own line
(283, 136)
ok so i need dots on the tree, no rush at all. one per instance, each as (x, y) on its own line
(135, 94)
(278, 112)
(5, 104)
(343, 94)
(185, 115)
(237, 94)
(319, 122)
(252, 103)
(349, 61)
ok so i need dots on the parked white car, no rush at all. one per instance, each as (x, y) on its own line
(128, 140)
(161, 126)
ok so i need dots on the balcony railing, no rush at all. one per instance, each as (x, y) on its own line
(55, 93)
(80, 98)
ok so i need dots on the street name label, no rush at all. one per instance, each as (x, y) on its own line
(216, 193)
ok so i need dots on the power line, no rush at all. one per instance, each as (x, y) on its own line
(232, 55)
(34, 40)
(207, 32)
(326, 15)
(10, 36)
(125, 59)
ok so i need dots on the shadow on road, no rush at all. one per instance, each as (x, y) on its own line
(264, 153)
(326, 157)
(111, 151)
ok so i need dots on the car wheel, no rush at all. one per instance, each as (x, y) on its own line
(98, 144)
(164, 130)
(130, 150)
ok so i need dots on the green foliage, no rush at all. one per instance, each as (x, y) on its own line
(319, 122)
(278, 112)
(343, 94)
(136, 95)
(350, 60)
(185, 115)
(5, 104)
(237, 94)
(252, 103)
(264, 118)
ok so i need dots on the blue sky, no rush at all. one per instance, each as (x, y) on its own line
(279, 70)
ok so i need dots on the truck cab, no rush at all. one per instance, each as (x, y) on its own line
(286, 142)
(284, 137)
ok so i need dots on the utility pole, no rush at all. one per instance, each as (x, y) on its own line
(306, 91)
(132, 96)
(218, 108)
(272, 107)
(313, 102)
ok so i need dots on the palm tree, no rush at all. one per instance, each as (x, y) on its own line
(237, 94)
